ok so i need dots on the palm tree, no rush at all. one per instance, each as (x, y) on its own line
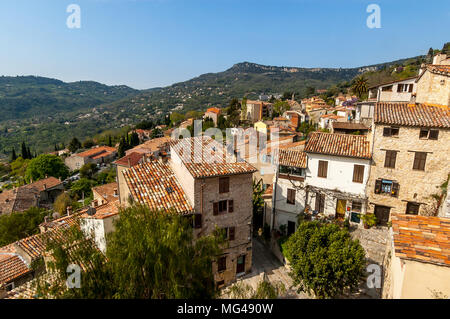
(359, 86)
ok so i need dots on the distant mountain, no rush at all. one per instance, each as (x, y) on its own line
(45, 111)
(31, 96)
(246, 79)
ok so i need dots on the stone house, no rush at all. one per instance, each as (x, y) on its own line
(394, 91)
(201, 179)
(433, 85)
(418, 263)
(38, 194)
(258, 110)
(336, 175)
(213, 113)
(410, 158)
(288, 191)
(96, 155)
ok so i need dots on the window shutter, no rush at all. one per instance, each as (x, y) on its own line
(358, 173)
(433, 134)
(323, 169)
(230, 206)
(377, 186)
(216, 209)
(231, 232)
(411, 88)
(395, 189)
(387, 131)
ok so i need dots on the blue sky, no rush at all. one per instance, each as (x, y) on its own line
(149, 43)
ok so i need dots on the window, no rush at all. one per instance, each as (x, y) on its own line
(404, 88)
(291, 196)
(428, 134)
(390, 131)
(197, 221)
(292, 170)
(220, 207)
(230, 206)
(222, 264)
(356, 207)
(323, 169)
(358, 173)
(384, 186)
(390, 158)
(224, 185)
(419, 161)
(433, 135)
(320, 202)
(231, 233)
(387, 88)
(412, 208)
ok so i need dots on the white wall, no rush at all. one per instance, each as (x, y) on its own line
(340, 173)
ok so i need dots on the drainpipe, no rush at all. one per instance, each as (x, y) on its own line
(274, 198)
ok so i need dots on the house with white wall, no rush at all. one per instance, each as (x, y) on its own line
(394, 91)
(336, 175)
(288, 199)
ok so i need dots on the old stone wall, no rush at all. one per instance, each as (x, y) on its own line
(434, 89)
(415, 185)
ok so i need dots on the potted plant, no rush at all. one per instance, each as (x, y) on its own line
(369, 220)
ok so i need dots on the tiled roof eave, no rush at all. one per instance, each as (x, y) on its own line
(350, 156)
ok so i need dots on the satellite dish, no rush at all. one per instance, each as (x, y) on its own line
(91, 211)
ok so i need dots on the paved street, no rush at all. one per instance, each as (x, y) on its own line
(265, 262)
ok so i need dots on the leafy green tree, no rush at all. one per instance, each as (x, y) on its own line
(81, 187)
(233, 112)
(325, 260)
(360, 86)
(221, 122)
(176, 118)
(18, 225)
(61, 203)
(279, 107)
(74, 145)
(156, 132)
(46, 165)
(149, 255)
(107, 176)
(19, 167)
(88, 143)
(88, 170)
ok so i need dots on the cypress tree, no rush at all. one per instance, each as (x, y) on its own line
(24, 151)
(13, 155)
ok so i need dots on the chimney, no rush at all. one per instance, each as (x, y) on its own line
(45, 187)
(69, 210)
(422, 68)
(129, 162)
(95, 203)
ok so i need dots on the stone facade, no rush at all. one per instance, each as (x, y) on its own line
(433, 88)
(415, 186)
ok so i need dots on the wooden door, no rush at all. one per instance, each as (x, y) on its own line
(382, 214)
(240, 264)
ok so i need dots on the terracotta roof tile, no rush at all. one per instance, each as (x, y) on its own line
(155, 184)
(205, 157)
(97, 152)
(422, 238)
(12, 268)
(412, 114)
(339, 145)
(130, 160)
(291, 157)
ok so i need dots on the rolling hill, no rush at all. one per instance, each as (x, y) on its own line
(44, 111)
